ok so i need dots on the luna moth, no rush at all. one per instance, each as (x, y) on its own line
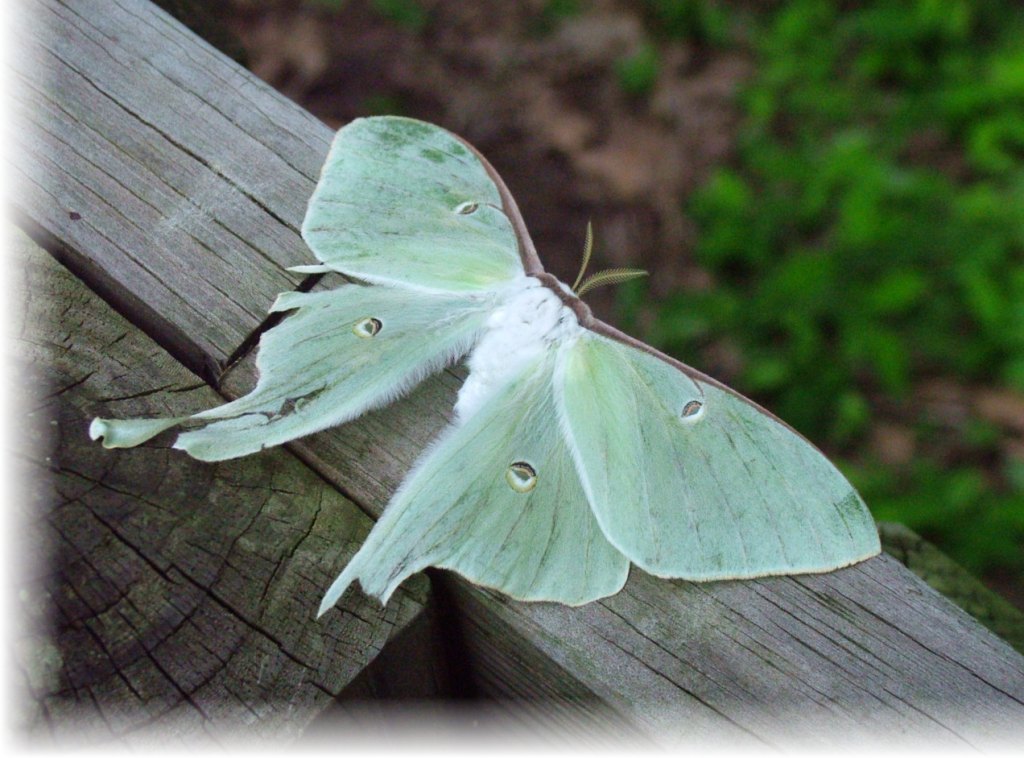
(574, 451)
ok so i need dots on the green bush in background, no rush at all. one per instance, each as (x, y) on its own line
(868, 241)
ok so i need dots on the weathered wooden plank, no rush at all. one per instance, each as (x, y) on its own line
(824, 658)
(143, 147)
(953, 581)
(184, 594)
(862, 650)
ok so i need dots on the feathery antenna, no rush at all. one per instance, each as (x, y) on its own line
(588, 247)
(601, 278)
(609, 276)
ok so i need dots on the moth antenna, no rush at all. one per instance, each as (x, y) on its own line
(609, 276)
(588, 248)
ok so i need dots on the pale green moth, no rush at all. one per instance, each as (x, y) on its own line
(575, 450)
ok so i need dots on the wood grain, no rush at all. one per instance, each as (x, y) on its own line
(183, 594)
(868, 651)
(139, 145)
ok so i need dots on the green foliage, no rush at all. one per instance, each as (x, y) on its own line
(409, 14)
(697, 20)
(638, 72)
(870, 236)
(382, 104)
(552, 14)
(556, 10)
(977, 523)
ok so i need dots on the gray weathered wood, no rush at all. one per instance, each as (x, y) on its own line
(142, 147)
(183, 594)
(868, 650)
(954, 582)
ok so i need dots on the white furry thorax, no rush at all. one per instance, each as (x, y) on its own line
(530, 318)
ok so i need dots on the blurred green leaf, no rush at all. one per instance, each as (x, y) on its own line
(559, 9)
(701, 20)
(383, 105)
(853, 414)
(552, 14)
(638, 72)
(897, 292)
(996, 145)
(408, 14)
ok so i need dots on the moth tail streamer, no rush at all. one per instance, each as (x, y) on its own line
(337, 589)
(356, 570)
(116, 433)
